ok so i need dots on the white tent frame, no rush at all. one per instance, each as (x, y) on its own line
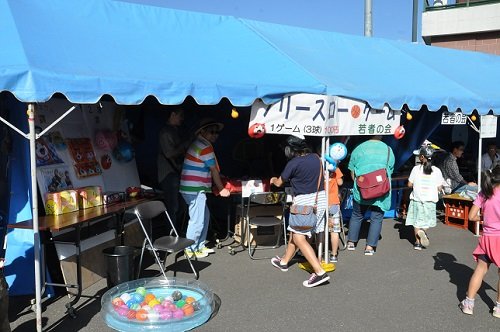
(32, 136)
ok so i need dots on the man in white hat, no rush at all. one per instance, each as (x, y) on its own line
(200, 168)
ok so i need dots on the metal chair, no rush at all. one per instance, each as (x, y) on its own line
(265, 209)
(170, 244)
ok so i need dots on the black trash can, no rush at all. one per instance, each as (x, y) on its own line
(120, 264)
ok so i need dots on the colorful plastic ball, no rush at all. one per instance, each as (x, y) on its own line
(149, 297)
(165, 303)
(137, 297)
(158, 307)
(135, 306)
(131, 314)
(153, 302)
(166, 314)
(122, 310)
(141, 290)
(188, 309)
(146, 307)
(160, 299)
(178, 313)
(125, 297)
(130, 303)
(180, 303)
(176, 295)
(172, 307)
(196, 305)
(169, 298)
(153, 316)
(117, 301)
(190, 299)
(141, 315)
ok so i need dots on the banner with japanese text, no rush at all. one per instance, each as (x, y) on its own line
(320, 115)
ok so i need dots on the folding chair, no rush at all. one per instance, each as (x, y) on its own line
(170, 244)
(265, 209)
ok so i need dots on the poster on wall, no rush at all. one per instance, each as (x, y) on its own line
(46, 153)
(90, 142)
(319, 115)
(83, 156)
(54, 178)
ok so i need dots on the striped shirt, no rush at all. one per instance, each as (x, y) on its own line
(195, 175)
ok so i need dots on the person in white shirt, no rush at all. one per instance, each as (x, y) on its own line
(426, 181)
(491, 158)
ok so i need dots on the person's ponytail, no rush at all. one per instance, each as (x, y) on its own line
(489, 180)
(427, 165)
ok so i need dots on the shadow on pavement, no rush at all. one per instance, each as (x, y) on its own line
(459, 276)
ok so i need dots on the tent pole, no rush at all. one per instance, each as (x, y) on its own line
(324, 147)
(34, 204)
(480, 153)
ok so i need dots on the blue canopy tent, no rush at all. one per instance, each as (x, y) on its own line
(84, 49)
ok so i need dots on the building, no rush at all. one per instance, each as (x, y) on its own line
(472, 25)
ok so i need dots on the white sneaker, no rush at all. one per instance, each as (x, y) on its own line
(424, 240)
(197, 254)
(207, 250)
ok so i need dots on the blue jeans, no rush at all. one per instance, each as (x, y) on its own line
(376, 218)
(464, 187)
(199, 216)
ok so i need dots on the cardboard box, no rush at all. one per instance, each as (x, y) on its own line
(61, 202)
(93, 260)
(264, 236)
(90, 196)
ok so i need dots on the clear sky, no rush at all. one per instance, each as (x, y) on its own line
(390, 18)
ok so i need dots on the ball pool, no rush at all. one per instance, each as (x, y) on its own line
(157, 304)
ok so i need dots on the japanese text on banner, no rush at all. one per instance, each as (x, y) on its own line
(318, 115)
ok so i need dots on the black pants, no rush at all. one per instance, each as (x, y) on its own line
(4, 304)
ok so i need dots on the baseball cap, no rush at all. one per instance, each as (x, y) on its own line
(425, 151)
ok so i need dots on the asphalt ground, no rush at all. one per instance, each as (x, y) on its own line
(396, 289)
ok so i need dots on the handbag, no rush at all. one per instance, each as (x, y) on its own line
(374, 184)
(303, 217)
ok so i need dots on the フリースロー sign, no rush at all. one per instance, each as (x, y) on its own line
(318, 115)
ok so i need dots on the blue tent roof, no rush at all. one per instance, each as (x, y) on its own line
(87, 48)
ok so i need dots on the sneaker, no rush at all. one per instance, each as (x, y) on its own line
(276, 261)
(197, 254)
(333, 258)
(315, 280)
(369, 252)
(417, 246)
(207, 250)
(424, 239)
(351, 246)
(467, 307)
(496, 311)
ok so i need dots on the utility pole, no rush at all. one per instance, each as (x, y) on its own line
(368, 18)
(414, 22)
